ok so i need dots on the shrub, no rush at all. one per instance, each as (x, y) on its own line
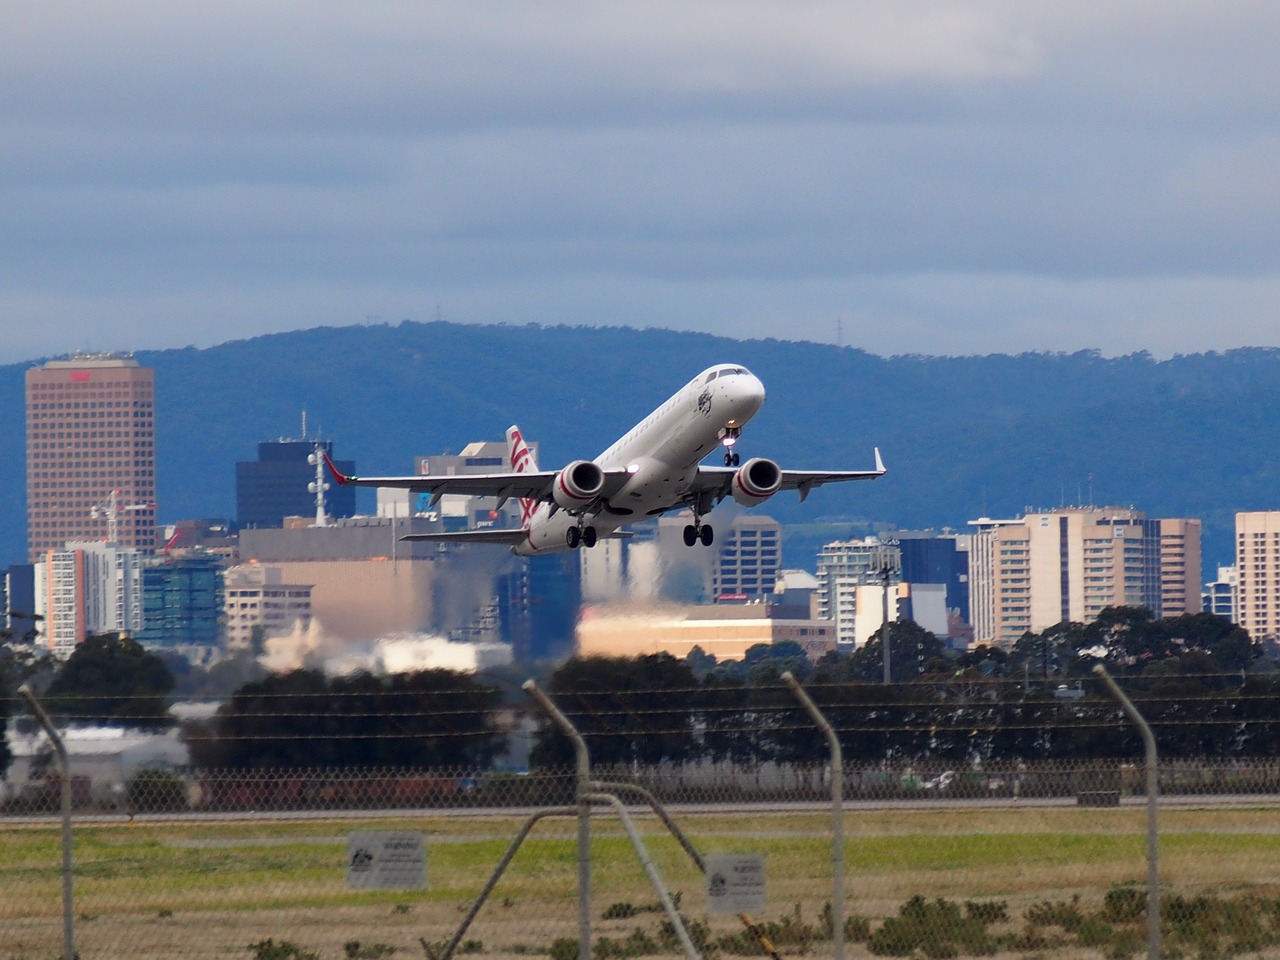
(157, 791)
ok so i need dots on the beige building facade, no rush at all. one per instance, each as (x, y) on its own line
(1071, 563)
(1258, 573)
(726, 631)
(257, 596)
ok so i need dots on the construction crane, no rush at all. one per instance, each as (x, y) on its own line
(111, 509)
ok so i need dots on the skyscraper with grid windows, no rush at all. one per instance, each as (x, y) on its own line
(91, 468)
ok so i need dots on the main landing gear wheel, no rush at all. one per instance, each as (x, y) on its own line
(588, 537)
(703, 532)
(580, 537)
(572, 536)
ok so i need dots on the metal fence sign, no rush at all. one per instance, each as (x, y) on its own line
(735, 883)
(386, 860)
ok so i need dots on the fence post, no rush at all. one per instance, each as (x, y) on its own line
(837, 812)
(1153, 792)
(64, 766)
(583, 789)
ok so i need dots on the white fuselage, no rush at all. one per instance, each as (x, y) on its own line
(661, 453)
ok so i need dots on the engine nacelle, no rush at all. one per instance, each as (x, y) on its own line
(756, 481)
(577, 485)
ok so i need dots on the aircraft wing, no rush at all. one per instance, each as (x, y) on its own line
(717, 480)
(533, 484)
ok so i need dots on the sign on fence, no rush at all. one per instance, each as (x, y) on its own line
(735, 883)
(386, 860)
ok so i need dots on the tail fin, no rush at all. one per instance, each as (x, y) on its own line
(522, 461)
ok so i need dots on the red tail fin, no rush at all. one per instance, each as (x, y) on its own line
(521, 459)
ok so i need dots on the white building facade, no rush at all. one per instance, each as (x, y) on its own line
(88, 588)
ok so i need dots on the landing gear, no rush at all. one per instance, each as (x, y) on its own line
(694, 532)
(573, 537)
(728, 439)
(588, 537)
(576, 537)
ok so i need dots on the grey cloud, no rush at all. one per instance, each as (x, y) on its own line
(956, 174)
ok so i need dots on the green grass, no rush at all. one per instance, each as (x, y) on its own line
(283, 879)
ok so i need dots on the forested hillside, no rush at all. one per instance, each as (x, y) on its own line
(962, 436)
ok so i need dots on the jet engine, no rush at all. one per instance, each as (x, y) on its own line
(577, 485)
(756, 481)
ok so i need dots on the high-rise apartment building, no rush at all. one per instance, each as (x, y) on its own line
(1220, 594)
(87, 588)
(1069, 564)
(91, 467)
(1258, 573)
(845, 569)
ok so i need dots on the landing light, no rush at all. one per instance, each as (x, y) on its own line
(729, 439)
(633, 468)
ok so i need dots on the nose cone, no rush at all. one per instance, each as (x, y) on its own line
(748, 394)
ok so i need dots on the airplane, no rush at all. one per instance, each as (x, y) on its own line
(656, 467)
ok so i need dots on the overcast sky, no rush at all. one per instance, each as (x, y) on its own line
(907, 177)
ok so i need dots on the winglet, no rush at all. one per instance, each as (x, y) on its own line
(879, 462)
(338, 475)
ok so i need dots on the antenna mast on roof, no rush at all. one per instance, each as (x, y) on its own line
(318, 486)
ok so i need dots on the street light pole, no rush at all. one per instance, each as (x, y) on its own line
(884, 627)
(886, 566)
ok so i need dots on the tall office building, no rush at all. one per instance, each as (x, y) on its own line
(748, 558)
(182, 604)
(1071, 563)
(276, 485)
(91, 468)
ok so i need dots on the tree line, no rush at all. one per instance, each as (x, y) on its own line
(1204, 685)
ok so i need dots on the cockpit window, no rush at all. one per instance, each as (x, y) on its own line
(711, 376)
(729, 371)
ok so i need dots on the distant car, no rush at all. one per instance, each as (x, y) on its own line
(940, 782)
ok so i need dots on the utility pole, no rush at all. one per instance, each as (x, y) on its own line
(887, 563)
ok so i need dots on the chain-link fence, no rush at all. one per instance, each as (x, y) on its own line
(1028, 859)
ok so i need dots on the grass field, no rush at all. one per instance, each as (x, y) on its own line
(217, 889)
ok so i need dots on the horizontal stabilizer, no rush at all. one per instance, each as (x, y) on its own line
(509, 537)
